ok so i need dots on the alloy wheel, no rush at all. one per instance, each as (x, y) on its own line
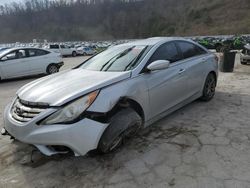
(210, 86)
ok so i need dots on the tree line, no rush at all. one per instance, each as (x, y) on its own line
(62, 20)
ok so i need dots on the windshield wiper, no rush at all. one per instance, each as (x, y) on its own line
(106, 64)
(134, 61)
(118, 57)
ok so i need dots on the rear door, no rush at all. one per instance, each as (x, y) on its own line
(39, 60)
(166, 87)
(68, 50)
(55, 48)
(15, 64)
(65, 50)
(195, 59)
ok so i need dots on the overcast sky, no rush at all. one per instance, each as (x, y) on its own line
(2, 2)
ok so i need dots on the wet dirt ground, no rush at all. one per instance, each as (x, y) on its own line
(203, 145)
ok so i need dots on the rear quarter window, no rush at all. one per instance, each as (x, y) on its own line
(54, 46)
(37, 52)
(42, 52)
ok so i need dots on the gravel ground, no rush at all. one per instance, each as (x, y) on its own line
(203, 145)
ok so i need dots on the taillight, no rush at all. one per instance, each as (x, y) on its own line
(216, 58)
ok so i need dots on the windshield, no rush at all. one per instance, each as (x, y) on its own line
(116, 59)
(4, 51)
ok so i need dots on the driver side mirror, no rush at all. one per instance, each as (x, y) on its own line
(158, 65)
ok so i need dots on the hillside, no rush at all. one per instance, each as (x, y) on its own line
(115, 19)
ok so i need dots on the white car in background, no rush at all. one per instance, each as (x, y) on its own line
(245, 55)
(19, 62)
(82, 50)
(63, 49)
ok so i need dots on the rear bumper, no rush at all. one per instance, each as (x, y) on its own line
(60, 64)
(79, 52)
(80, 137)
(245, 60)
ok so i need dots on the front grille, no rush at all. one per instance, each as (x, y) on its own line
(24, 111)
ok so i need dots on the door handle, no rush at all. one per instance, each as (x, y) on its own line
(181, 71)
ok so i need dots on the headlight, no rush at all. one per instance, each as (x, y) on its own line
(71, 111)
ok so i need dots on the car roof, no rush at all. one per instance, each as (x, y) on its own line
(153, 41)
(23, 48)
(19, 48)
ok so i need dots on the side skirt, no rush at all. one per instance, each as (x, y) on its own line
(174, 108)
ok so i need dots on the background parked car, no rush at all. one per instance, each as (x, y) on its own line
(2, 49)
(63, 49)
(235, 42)
(245, 55)
(85, 51)
(19, 62)
(239, 42)
(210, 43)
(207, 42)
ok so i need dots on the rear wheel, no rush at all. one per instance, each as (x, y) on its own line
(124, 124)
(209, 87)
(243, 63)
(51, 69)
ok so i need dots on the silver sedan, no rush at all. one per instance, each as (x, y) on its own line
(111, 96)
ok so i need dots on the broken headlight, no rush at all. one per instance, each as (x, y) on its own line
(71, 111)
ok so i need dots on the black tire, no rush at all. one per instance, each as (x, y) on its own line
(209, 88)
(74, 54)
(243, 63)
(125, 123)
(52, 68)
(85, 54)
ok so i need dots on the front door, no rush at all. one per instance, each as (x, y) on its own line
(166, 87)
(15, 64)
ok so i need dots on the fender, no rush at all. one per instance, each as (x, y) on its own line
(118, 95)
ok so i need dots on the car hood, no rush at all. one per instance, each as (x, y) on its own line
(247, 46)
(65, 86)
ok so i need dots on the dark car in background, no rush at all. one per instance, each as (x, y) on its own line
(211, 43)
(236, 42)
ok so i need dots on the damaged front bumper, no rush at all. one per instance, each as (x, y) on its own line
(80, 137)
